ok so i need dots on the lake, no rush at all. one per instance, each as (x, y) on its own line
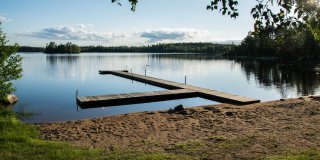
(49, 83)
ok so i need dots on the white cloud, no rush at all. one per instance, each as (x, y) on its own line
(169, 34)
(4, 19)
(84, 34)
(79, 32)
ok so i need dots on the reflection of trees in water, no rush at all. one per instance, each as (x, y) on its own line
(62, 65)
(300, 77)
(287, 78)
(77, 64)
(56, 59)
(190, 56)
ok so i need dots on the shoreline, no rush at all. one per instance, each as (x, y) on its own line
(214, 131)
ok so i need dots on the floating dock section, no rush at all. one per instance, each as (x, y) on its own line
(133, 98)
(175, 91)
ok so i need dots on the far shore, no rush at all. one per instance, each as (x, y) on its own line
(221, 131)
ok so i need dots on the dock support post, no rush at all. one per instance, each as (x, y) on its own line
(76, 98)
(145, 70)
(132, 76)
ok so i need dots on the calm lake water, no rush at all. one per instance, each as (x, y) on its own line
(49, 83)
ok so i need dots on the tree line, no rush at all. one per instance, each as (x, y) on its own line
(210, 48)
(289, 44)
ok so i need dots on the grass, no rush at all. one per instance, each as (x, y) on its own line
(20, 140)
(315, 112)
(215, 147)
(309, 154)
(219, 147)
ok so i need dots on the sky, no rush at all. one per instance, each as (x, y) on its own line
(100, 22)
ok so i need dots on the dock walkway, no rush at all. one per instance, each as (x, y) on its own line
(176, 91)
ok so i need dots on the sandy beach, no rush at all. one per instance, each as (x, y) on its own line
(217, 131)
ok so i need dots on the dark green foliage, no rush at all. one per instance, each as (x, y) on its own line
(211, 48)
(132, 2)
(227, 7)
(291, 14)
(30, 49)
(52, 47)
(10, 66)
(287, 45)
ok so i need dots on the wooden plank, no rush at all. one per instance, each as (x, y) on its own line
(221, 96)
(133, 98)
(145, 79)
(203, 92)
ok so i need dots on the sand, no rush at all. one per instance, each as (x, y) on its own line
(259, 129)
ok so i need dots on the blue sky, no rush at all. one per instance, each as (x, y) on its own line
(99, 22)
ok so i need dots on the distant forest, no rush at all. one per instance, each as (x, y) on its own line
(30, 49)
(211, 48)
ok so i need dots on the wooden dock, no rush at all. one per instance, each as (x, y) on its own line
(176, 91)
(133, 98)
